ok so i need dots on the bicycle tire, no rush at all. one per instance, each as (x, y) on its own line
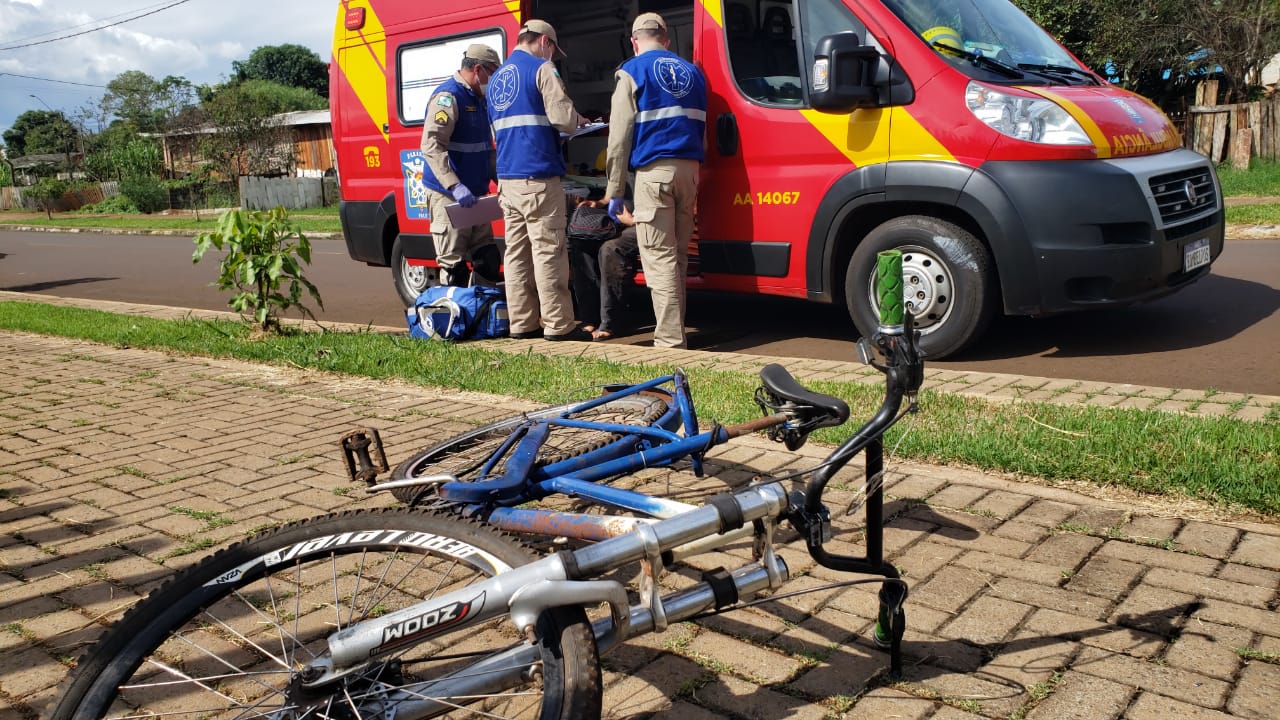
(463, 455)
(246, 610)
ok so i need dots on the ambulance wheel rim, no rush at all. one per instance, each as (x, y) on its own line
(418, 277)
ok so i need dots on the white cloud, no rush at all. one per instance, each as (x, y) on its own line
(197, 40)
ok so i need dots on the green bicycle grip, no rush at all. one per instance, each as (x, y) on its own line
(889, 287)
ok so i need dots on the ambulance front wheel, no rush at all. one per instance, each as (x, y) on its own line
(410, 280)
(949, 282)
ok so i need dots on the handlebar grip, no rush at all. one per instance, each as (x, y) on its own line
(889, 287)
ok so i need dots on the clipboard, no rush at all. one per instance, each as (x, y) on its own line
(584, 130)
(486, 210)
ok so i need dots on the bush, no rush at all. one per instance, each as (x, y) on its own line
(146, 192)
(262, 254)
(47, 191)
(113, 204)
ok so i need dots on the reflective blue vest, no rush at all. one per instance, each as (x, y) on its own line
(528, 145)
(671, 104)
(470, 143)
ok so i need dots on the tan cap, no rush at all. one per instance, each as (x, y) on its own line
(649, 21)
(542, 27)
(483, 53)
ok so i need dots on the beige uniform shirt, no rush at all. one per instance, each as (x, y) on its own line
(622, 130)
(560, 110)
(437, 130)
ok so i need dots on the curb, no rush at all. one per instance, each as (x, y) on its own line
(990, 386)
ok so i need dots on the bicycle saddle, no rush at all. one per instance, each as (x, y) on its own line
(810, 410)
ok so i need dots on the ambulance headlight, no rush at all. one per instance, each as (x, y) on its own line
(1025, 118)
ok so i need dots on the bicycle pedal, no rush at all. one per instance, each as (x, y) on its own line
(363, 454)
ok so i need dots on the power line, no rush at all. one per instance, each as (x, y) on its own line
(64, 82)
(94, 29)
(84, 24)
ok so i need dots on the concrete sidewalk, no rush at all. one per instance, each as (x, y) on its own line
(120, 466)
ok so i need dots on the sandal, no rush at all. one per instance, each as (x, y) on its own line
(601, 336)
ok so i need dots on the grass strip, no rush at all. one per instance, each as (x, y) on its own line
(207, 221)
(1232, 463)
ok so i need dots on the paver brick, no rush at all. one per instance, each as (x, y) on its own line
(1184, 685)
(653, 686)
(1215, 541)
(1095, 633)
(1008, 567)
(1065, 601)
(1226, 613)
(846, 671)
(1150, 706)
(884, 703)
(1106, 577)
(1206, 587)
(1146, 555)
(1256, 692)
(987, 620)
(1065, 550)
(731, 695)
(1209, 648)
(1083, 697)
(1258, 549)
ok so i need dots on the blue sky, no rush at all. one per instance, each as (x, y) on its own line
(197, 39)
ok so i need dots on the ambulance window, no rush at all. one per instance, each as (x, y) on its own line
(423, 66)
(769, 44)
(826, 17)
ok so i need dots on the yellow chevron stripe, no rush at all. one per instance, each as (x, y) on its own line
(514, 7)
(1091, 128)
(867, 137)
(713, 9)
(362, 57)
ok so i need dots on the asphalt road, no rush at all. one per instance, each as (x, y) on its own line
(1223, 332)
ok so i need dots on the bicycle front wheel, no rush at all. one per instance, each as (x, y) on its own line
(463, 456)
(228, 637)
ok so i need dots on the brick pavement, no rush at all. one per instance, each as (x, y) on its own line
(119, 466)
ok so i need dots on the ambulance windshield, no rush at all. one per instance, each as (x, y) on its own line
(991, 33)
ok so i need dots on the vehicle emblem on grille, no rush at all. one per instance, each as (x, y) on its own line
(1189, 188)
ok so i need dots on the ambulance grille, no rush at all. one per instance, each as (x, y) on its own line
(1184, 194)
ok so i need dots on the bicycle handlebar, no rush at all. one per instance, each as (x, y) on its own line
(889, 288)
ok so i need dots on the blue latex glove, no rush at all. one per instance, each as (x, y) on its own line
(463, 195)
(616, 206)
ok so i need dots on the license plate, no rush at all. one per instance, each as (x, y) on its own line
(1195, 254)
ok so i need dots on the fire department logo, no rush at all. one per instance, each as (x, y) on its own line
(503, 87)
(673, 76)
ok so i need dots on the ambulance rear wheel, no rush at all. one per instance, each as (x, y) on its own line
(949, 281)
(410, 280)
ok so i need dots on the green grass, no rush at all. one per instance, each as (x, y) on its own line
(1232, 463)
(207, 221)
(1253, 214)
(1261, 179)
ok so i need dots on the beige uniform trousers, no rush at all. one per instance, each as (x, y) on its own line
(536, 259)
(453, 244)
(666, 192)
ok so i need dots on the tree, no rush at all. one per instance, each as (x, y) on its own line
(1159, 48)
(48, 191)
(292, 65)
(149, 105)
(40, 132)
(250, 139)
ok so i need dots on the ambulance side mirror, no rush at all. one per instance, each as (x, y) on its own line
(844, 74)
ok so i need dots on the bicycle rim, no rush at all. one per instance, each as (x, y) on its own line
(228, 637)
(464, 455)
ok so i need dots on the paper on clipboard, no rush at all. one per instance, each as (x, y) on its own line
(486, 210)
(588, 128)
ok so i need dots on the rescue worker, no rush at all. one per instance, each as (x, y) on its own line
(528, 108)
(658, 117)
(458, 149)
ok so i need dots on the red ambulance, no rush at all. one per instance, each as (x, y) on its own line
(1013, 178)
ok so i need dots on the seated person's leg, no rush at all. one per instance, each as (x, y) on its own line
(585, 281)
(617, 268)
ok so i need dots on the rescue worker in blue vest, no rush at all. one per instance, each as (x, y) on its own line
(528, 108)
(657, 120)
(458, 149)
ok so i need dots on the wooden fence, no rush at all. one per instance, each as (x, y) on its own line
(257, 193)
(12, 198)
(1233, 133)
